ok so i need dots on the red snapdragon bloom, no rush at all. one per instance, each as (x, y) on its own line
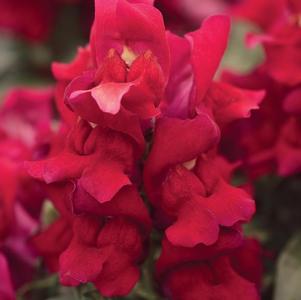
(207, 272)
(104, 246)
(98, 243)
(283, 42)
(194, 62)
(106, 96)
(127, 64)
(51, 243)
(193, 65)
(90, 155)
(282, 39)
(124, 121)
(177, 173)
(105, 252)
(25, 116)
(92, 185)
(224, 282)
(24, 134)
(269, 140)
(187, 186)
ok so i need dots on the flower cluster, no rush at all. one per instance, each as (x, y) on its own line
(24, 134)
(140, 148)
(270, 140)
(136, 150)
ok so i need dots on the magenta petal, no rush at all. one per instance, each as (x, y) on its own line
(62, 167)
(143, 26)
(230, 103)
(208, 46)
(127, 202)
(123, 283)
(136, 23)
(104, 180)
(192, 281)
(62, 71)
(230, 204)
(81, 264)
(104, 29)
(177, 94)
(195, 224)
(175, 142)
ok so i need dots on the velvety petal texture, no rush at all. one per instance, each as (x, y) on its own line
(104, 224)
(127, 63)
(135, 161)
(206, 272)
(188, 186)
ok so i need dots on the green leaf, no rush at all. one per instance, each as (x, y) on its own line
(66, 294)
(238, 57)
(46, 283)
(49, 213)
(288, 275)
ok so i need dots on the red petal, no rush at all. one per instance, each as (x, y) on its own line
(175, 142)
(144, 25)
(81, 264)
(118, 278)
(68, 71)
(52, 242)
(229, 103)
(104, 180)
(61, 167)
(172, 256)
(82, 261)
(65, 112)
(195, 224)
(208, 47)
(210, 281)
(180, 82)
(230, 204)
(127, 203)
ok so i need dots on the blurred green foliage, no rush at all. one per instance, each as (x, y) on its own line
(238, 57)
